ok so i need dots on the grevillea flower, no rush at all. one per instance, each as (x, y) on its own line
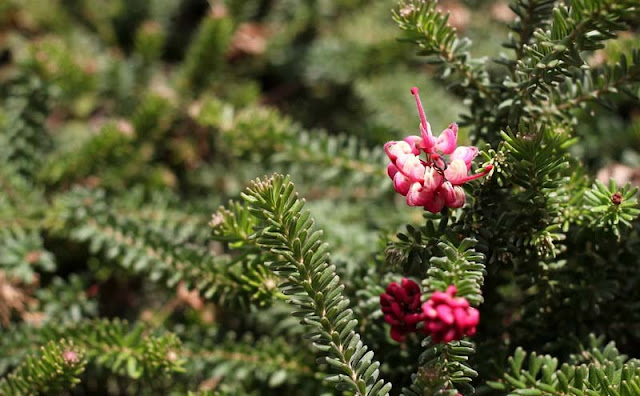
(436, 182)
(447, 317)
(401, 307)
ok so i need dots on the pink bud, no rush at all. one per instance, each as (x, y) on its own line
(398, 333)
(413, 318)
(400, 305)
(439, 297)
(414, 143)
(466, 154)
(449, 335)
(70, 357)
(448, 139)
(454, 197)
(392, 320)
(418, 195)
(410, 286)
(392, 170)
(432, 179)
(445, 314)
(411, 166)
(401, 183)
(435, 205)
(394, 149)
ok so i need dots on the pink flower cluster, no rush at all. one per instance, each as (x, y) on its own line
(446, 317)
(436, 182)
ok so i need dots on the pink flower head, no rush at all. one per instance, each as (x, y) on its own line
(434, 183)
(401, 307)
(448, 318)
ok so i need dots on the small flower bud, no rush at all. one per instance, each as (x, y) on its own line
(453, 196)
(435, 205)
(448, 139)
(33, 256)
(392, 169)
(395, 149)
(616, 198)
(411, 166)
(401, 307)
(401, 183)
(418, 195)
(70, 357)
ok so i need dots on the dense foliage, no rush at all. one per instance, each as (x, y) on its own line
(150, 242)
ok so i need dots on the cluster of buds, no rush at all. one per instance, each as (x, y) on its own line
(445, 317)
(401, 307)
(436, 182)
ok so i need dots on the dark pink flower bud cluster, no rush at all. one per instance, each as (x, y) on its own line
(401, 308)
(446, 317)
(436, 182)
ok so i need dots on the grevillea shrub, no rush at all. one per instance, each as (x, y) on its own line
(474, 246)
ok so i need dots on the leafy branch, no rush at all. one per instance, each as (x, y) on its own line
(298, 254)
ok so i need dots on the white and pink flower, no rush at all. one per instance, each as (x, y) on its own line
(436, 182)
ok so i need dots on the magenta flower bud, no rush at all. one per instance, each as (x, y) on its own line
(392, 169)
(418, 195)
(414, 143)
(401, 183)
(436, 204)
(400, 305)
(447, 318)
(453, 196)
(70, 357)
(411, 166)
(448, 139)
(432, 179)
(395, 149)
